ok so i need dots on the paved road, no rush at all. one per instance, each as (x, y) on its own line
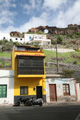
(40, 113)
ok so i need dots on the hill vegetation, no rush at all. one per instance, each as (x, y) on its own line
(66, 41)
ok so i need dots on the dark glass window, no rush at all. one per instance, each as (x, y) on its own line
(30, 65)
(23, 90)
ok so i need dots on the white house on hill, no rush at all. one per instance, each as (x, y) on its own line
(28, 38)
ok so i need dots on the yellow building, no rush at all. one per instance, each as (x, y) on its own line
(29, 72)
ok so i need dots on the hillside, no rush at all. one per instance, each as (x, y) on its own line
(70, 57)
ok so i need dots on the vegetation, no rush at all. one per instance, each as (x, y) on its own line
(59, 39)
(69, 57)
(68, 73)
(40, 32)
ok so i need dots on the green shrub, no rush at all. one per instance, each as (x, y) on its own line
(59, 39)
(53, 42)
(67, 72)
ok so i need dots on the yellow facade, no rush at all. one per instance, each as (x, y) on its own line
(31, 80)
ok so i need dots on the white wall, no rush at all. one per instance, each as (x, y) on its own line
(7, 78)
(78, 91)
(59, 86)
(6, 35)
(18, 39)
(37, 38)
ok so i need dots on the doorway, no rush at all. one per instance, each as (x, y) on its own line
(52, 89)
(39, 92)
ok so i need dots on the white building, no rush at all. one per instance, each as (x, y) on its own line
(41, 39)
(17, 39)
(28, 38)
(4, 36)
(60, 89)
(6, 87)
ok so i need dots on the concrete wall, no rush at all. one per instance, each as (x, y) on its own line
(7, 78)
(59, 87)
(78, 91)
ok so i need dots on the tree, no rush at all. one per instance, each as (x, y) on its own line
(59, 39)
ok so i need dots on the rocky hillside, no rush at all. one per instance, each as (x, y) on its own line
(57, 31)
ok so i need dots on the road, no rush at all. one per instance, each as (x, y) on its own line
(71, 112)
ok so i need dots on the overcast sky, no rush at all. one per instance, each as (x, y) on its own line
(21, 15)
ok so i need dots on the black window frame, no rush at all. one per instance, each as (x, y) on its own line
(31, 66)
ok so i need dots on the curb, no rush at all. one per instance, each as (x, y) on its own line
(59, 104)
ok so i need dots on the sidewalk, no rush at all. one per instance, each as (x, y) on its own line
(45, 104)
(61, 103)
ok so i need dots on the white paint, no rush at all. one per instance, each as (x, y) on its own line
(78, 91)
(6, 35)
(59, 86)
(17, 39)
(28, 38)
(42, 39)
(7, 78)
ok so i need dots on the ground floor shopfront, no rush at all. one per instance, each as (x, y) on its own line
(50, 89)
(29, 86)
(60, 89)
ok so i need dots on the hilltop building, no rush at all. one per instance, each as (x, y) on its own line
(26, 38)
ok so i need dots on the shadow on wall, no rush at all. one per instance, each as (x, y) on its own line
(11, 79)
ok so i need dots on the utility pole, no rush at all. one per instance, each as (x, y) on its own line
(57, 57)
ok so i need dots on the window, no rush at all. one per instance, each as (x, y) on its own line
(23, 90)
(31, 65)
(3, 91)
(66, 89)
(30, 38)
(16, 39)
(3, 37)
(20, 38)
(10, 39)
(35, 37)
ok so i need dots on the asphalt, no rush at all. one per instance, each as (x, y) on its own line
(46, 112)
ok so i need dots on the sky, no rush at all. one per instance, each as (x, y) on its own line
(21, 15)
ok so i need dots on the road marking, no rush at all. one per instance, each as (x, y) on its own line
(78, 117)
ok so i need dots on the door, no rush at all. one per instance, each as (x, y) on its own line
(52, 88)
(39, 91)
